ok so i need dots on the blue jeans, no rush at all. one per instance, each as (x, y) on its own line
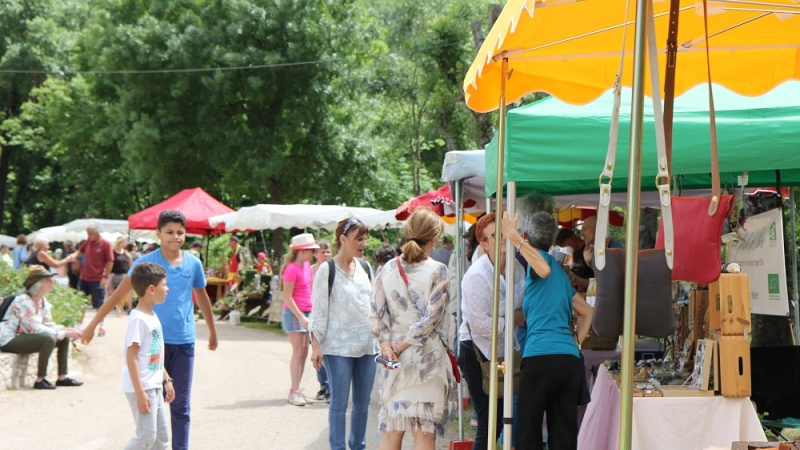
(179, 362)
(343, 372)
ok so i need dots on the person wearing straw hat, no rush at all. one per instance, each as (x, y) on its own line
(296, 280)
(28, 327)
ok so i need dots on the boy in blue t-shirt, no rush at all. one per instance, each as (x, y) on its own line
(184, 276)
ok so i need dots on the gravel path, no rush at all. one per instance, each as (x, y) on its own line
(238, 400)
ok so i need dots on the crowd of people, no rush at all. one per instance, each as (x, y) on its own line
(347, 314)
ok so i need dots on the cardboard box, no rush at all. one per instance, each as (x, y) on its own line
(734, 361)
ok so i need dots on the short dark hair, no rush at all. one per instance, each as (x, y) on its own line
(145, 275)
(447, 240)
(196, 244)
(130, 246)
(385, 253)
(233, 238)
(562, 235)
(171, 216)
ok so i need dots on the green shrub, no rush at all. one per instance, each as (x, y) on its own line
(67, 303)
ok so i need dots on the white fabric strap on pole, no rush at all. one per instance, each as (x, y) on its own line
(510, 341)
(601, 232)
(662, 179)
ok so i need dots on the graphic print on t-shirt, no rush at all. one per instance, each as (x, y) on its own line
(156, 358)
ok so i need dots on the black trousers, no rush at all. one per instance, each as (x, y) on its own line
(471, 370)
(549, 384)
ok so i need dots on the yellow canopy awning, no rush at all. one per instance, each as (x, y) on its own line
(571, 49)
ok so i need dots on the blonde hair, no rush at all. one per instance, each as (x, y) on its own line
(40, 242)
(423, 226)
(288, 259)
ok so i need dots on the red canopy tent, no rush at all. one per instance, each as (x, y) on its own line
(195, 204)
(434, 200)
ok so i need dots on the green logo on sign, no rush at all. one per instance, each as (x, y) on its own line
(773, 235)
(773, 282)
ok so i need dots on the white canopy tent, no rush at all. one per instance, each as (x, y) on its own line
(60, 234)
(10, 241)
(270, 217)
(112, 226)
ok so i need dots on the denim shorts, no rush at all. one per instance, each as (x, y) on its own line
(291, 324)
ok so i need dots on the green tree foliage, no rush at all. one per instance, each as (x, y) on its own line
(339, 102)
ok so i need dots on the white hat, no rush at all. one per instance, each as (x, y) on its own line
(303, 241)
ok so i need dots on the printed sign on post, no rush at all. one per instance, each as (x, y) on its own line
(761, 257)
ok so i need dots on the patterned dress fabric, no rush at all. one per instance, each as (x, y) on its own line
(421, 395)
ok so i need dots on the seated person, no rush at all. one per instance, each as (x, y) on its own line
(28, 328)
(582, 257)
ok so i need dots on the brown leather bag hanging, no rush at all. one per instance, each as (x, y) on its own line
(654, 317)
(697, 222)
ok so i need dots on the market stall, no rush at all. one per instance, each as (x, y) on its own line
(195, 204)
(574, 49)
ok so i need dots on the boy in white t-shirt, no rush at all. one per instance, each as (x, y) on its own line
(143, 373)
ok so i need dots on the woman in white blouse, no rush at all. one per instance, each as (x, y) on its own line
(475, 332)
(341, 338)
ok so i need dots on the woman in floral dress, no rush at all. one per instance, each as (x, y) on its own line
(408, 319)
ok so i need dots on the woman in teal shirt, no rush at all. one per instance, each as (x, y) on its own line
(551, 369)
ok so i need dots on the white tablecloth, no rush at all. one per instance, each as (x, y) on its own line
(669, 423)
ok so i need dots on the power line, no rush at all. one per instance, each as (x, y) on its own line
(206, 69)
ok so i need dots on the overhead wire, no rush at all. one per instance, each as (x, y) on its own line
(216, 69)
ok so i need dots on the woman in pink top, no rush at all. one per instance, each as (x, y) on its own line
(296, 278)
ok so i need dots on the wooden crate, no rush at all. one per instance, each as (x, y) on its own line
(712, 317)
(734, 361)
(734, 304)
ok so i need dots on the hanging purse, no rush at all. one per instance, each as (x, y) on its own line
(654, 317)
(486, 369)
(698, 222)
(450, 354)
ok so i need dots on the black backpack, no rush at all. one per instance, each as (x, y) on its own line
(5, 305)
(332, 272)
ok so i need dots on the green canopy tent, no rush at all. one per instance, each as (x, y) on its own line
(559, 149)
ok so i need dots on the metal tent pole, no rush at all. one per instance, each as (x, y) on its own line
(508, 387)
(460, 275)
(501, 147)
(794, 269)
(632, 227)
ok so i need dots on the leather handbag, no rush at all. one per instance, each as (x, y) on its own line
(450, 354)
(698, 222)
(486, 369)
(654, 315)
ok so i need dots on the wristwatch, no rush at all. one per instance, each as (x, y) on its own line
(167, 380)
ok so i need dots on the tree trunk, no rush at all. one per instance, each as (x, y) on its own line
(648, 227)
(5, 159)
(276, 197)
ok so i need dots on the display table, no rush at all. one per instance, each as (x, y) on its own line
(690, 423)
(220, 283)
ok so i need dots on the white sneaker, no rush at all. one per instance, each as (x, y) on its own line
(297, 399)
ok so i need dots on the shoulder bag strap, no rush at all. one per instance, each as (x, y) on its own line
(662, 177)
(715, 183)
(331, 276)
(611, 155)
(669, 76)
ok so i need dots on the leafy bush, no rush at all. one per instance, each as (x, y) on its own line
(67, 303)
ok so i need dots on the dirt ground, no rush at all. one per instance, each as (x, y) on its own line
(238, 399)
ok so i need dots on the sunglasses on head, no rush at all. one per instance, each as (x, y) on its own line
(349, 225)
